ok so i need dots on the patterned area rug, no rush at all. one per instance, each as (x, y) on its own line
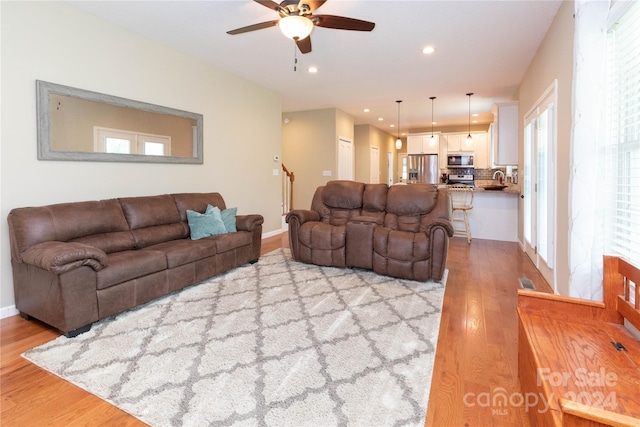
(276, 343)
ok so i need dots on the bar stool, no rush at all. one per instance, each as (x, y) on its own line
(461, 197)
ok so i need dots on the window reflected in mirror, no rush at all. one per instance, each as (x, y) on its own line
(75, 124)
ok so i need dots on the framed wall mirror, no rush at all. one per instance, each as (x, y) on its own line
(77, 124)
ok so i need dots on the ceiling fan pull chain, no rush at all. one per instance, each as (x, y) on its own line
(295, 57)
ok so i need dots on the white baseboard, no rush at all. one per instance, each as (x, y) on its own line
(8, 311)
(273, 233)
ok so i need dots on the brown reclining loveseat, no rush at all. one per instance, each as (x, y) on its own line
(401, 231)
(76, 263)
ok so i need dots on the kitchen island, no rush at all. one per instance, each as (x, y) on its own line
(495, 213)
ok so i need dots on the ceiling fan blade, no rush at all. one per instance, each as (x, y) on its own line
(342, 23)
(270, 4)
(313, 4)
(304, 45)
(254, 27)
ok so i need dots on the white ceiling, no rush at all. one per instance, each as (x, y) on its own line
(483, 47)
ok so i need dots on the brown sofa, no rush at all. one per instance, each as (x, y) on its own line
(76, 263)
(401, 231)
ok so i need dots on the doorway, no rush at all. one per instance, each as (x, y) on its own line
(374, 172)
(539, 206)
(345, 158)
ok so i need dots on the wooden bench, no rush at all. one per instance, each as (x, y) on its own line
(579, 365)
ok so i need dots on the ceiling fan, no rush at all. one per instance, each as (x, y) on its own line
(297, 21)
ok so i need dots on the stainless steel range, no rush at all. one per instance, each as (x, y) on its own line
(454, 178)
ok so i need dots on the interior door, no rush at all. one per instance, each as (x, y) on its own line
(539, 207)
(374, 175)
(345, 158)
(390, 168)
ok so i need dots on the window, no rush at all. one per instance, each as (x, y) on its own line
(622, 158)
(106, 140)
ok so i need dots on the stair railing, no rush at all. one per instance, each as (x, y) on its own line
(287, 190)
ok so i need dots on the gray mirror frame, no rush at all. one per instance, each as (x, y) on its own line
(45, 89)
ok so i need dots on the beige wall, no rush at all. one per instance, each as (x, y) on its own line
(309, 147)
(55, 42)
(554, 60)
(366, 137)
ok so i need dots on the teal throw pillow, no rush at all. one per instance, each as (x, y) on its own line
(207, 224)
(229, 219)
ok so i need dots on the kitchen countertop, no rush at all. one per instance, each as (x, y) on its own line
(481, 183)
(510, 188)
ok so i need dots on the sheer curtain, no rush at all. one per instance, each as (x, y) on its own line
(586, 207)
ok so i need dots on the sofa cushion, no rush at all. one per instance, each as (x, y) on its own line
(184, 251)
(153, 219)
(401, 245)
(318, 235)
(150, 211)
(197, 202)
(205, 224)
(128, 265)
(68, 222)
(229, 241)
(343, 194)
(414, 199)
(374, 201)
(229, 218)
(109, 242)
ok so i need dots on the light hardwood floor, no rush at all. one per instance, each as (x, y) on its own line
(476, 354)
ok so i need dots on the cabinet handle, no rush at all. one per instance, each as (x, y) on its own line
(522, 196)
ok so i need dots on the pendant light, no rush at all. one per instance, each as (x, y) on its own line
(398, 141)
(432, 141)
(469, 138)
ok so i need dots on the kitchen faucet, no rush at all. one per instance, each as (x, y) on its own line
(500, 174)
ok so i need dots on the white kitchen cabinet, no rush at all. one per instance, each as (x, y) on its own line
(457, 142)
(421, 143)
(504, 141)
(481, 150)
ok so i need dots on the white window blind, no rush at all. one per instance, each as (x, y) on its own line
(622, 158)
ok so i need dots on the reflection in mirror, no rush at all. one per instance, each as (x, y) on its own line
(75, 124)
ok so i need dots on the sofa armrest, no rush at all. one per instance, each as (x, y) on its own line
(59, 257)
(248, 222)
(302, 216)
(440, 223)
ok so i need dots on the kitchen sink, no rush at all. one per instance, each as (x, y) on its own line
(494, 187)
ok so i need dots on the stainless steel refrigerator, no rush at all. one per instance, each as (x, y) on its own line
(422, 168)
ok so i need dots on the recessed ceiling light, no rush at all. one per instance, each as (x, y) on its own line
(428, 50)
(380, 119)
(312, 70)
(474, 121)
(434, 123)
(474, 115)
(392, 126)
(366, 110)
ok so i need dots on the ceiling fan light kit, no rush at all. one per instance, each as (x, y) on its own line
(296, 27)
(297, 21)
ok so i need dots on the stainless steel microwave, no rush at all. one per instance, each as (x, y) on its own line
(460, 160)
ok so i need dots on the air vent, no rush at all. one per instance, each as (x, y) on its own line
(527, 284)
